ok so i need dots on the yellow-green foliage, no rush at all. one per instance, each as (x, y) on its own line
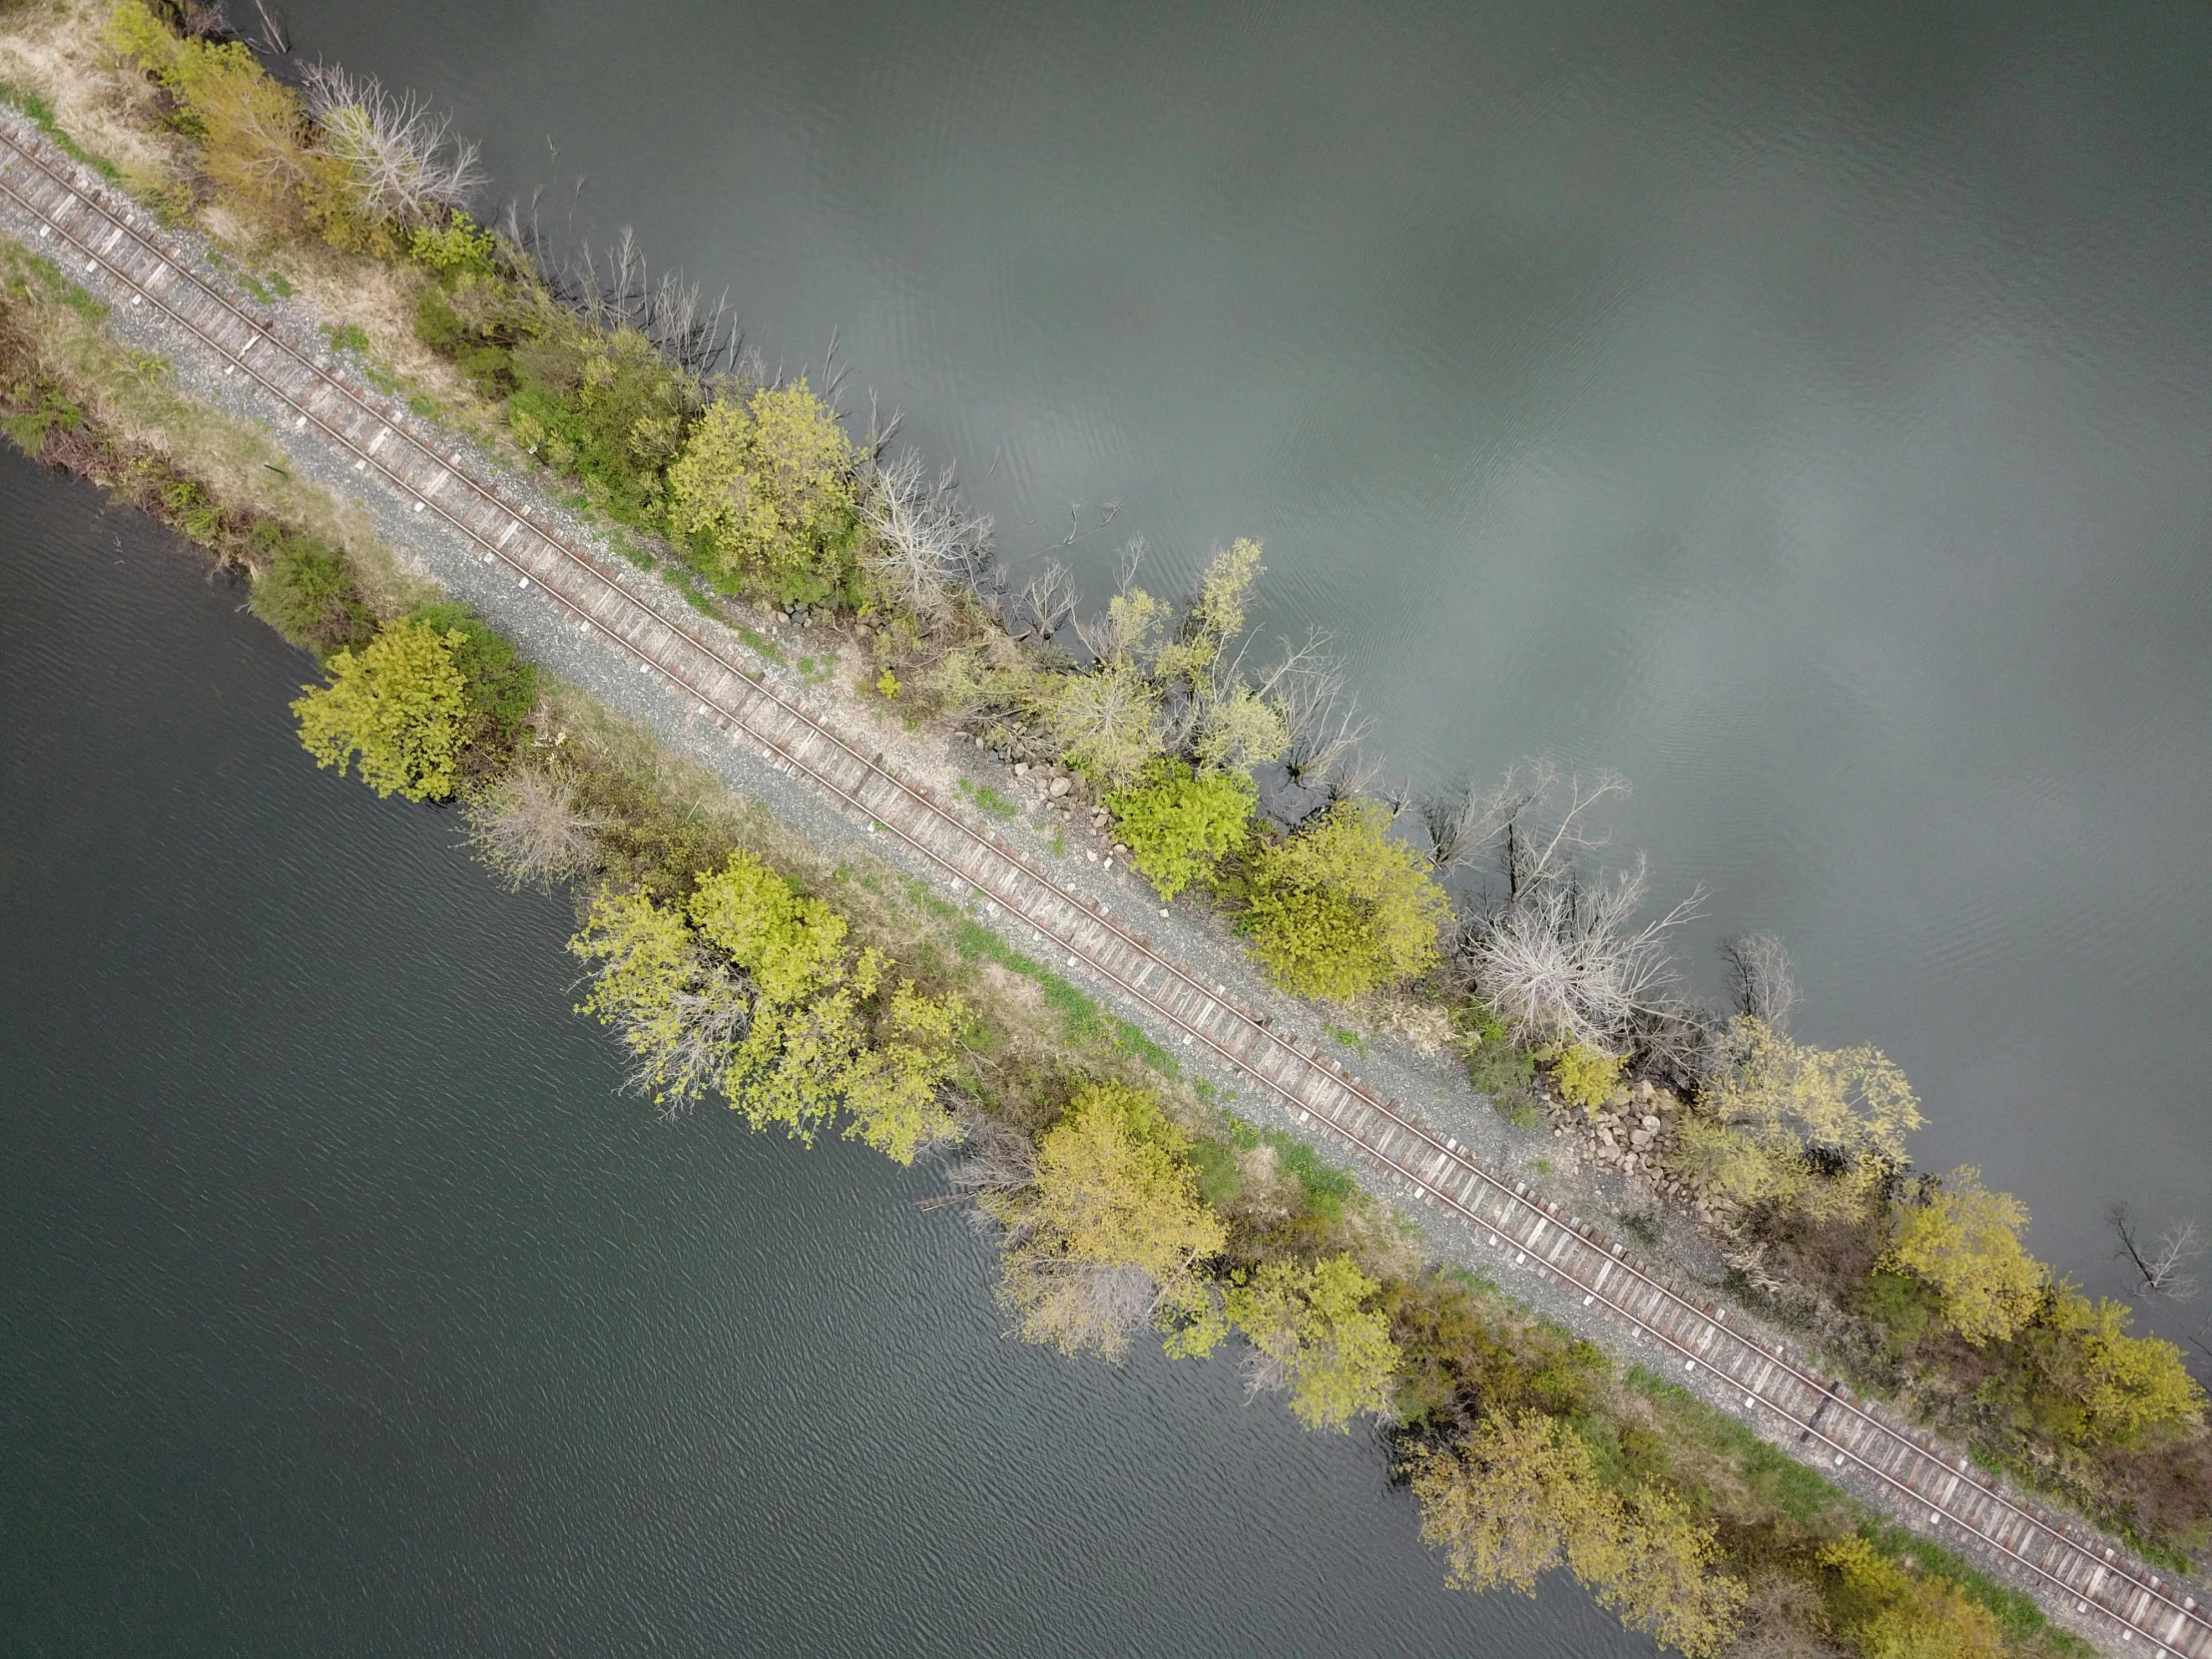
(1816, 1129)
(1341, 909)
(1315, 1329)
(1107, 723)
(752, 988)
(455, 248)
(400, 705)
(1521, 1495)
(1114, 1195)
(1887, 1612)
(605, 406)
(1179, 824)
(1964, 1241)
(1585, 1077)
(253, 131)
(2097, 1384)
(763, 490)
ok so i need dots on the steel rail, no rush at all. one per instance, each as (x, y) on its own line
(732, 713)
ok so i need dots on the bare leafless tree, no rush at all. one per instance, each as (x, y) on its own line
(1308, 688)
(994, 1157)
(2162, 1267)
(1760, 981)
(618, 289)
(197, 19)
(1047, 600)
(1570, 958)
(275, 38)
(1448, 821)
(404, 157)
(714, 1011)
(927, 537)
(532, 830)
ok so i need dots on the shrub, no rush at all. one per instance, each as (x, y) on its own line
(501, 688)
(253, 131)
(456, 247)
(763, 490)
(1964, 1242)
(1583, 1075)
(400, 706)
(1179, 824)
(302, 589)
(1110, 1231)
(1341, 909)
(1312, 1331)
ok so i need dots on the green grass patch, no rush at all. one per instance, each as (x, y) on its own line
(1351, 1039)
(988, 799)
(762, 645)
(61, 290)
(1780, 1482)
(41, 112)
(346, 337)
(1086, 1021)
(1325, 1188)
(1058, 844)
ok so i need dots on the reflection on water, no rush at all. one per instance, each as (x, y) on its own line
(347, 1309)
(1800, 411)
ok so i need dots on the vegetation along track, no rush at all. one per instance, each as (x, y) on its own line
(92, 235)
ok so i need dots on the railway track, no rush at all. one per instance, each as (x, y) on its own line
(104, 243)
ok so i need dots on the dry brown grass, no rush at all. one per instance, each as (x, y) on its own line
(132, 396)
(52, 48)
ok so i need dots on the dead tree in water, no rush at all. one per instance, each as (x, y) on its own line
(1560, 953)
(1048, 600)
(927, 537)
(404, 157)
(1760, 977)
(2162, 1267)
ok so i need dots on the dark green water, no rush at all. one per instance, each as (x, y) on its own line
(345, 1309)
(1799, 409)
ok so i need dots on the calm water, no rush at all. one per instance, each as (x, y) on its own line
(1801, 409)
(345, 1308)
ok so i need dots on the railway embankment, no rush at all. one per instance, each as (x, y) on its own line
(742, 709)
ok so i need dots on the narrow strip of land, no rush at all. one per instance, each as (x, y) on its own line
(105, 243)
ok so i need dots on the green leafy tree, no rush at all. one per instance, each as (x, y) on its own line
(1521, 1495)
(400, 705)
(819, 1041)
(1312, 1331)
(1110, 1231)
(750, 988)
(2098, 1384)
(1179, 824)
(652, 980)
(1890, 1613)
(764, 490)
(1964, 1242)
(502, 689)
(1340, 908)
(1814, 1129)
